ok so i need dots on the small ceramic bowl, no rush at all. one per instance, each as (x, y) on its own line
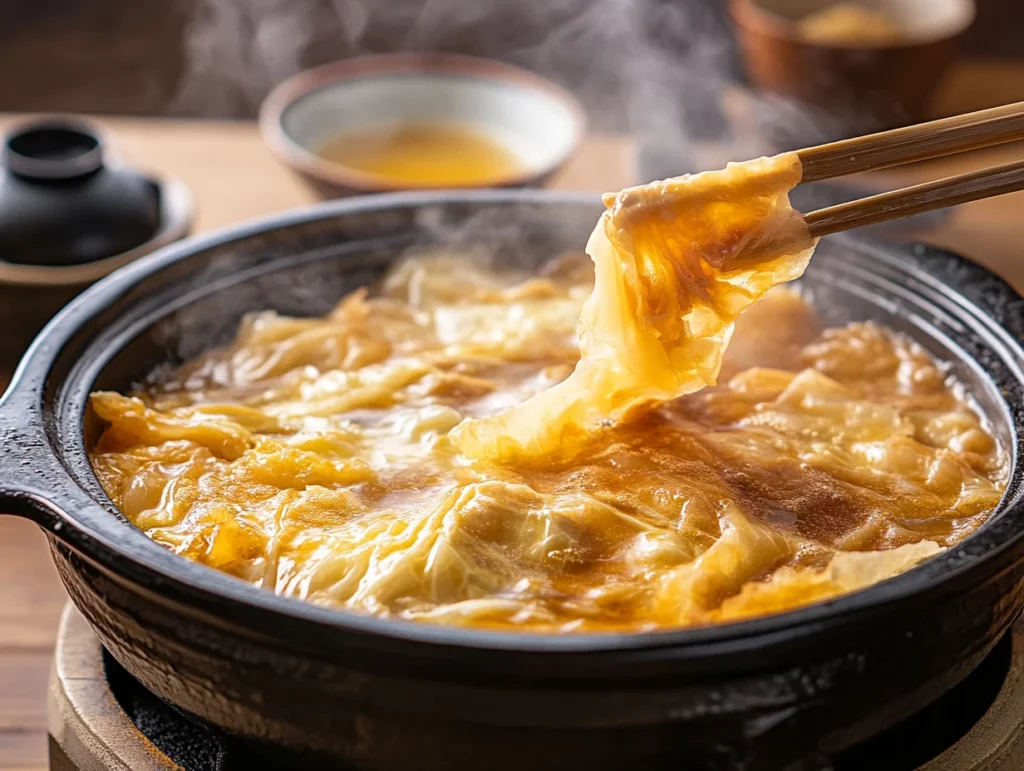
(539, 122)
(857, 86)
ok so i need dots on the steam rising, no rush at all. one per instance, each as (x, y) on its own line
(654, 68)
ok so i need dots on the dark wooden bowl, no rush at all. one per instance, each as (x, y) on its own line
(853, 88)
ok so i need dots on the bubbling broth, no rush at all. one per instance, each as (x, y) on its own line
(424, 154)
(451, 449)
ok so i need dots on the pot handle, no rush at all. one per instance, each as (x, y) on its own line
(28, 466)
(34, 506)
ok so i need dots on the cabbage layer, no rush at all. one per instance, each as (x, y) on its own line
(448, 449)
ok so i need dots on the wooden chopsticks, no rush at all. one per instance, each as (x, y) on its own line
(909, 201)
(914, 143)
(948, 136)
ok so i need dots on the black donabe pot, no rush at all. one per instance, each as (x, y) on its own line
(779, 692)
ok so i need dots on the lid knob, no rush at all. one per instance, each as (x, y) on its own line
(57, 150)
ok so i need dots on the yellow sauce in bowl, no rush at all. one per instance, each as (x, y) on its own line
(424, 154)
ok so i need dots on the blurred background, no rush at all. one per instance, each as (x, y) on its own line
(671, 73)
(218, 58)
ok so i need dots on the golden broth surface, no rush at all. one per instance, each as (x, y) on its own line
(448, 450)
(424, 154)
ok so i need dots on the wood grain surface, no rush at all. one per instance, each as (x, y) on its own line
(234, 178)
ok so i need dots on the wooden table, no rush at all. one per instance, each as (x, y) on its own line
(233, 178)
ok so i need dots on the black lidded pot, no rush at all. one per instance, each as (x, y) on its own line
(67, 218)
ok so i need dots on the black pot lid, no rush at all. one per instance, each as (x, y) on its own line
(175, 224)
(69, 216)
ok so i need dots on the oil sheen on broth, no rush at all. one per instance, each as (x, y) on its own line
(448, 450)
(424, 154)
